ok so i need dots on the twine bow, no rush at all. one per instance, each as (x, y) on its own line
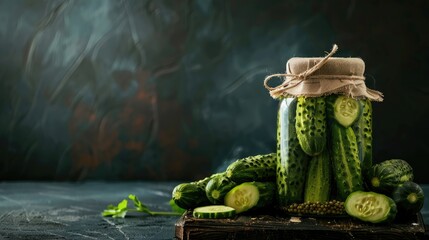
(292, 80)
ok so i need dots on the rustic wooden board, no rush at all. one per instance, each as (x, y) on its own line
(261, 227)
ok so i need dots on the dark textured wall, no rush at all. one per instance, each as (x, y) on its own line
(107, 89)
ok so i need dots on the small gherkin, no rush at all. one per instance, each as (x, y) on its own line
(363, 131)
(311, 124)
(345, 161)
(202, 183)
(318, 181)
(291, 159)
(253, 168)
(218, 187)
(192, 194)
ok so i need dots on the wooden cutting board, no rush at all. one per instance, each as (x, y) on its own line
(261, 227)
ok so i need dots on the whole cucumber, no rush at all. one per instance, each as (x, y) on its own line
(311, 124)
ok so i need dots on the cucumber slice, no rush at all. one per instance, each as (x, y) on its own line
(242, 197)
(346, 110)
(370, 207)
(214, 211)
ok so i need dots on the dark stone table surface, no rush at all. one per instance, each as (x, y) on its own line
(46, 210)
(52, 210)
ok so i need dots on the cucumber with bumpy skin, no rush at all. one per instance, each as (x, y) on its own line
(214, 211)
(363, 131)
(311, 124)
(253, 168)
(291, 159)
(345, 161)
(318, 182)
(189, 195)
(218, 187)
(193, 194)
(370, 207)
(251, 195)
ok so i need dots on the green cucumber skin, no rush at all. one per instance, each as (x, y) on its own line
(192, 194)
(267, 194)
(253, 168)
(212, 215)
(311, 124)
(318, 182)
(401, 197)
(189, 195)
(203, 182)
(199, 213)
(387, 218)
(389, 175)
(345, 161)
(363, 132)
(291, 159)
(218, 187)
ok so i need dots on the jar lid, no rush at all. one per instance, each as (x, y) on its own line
(334, 66)
(314, 77)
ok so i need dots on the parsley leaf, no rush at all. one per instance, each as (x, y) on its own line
(139, 205)
(116, 211)
(121, 209)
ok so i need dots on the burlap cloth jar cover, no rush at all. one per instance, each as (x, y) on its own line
(313, 77)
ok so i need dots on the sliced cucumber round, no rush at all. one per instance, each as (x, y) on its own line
(346, 110)
(370, 207)
(214, 211)
(242, 197)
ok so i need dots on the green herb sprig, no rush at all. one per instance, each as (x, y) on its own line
(120, 210)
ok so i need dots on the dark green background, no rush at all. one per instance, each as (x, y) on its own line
(107, 89)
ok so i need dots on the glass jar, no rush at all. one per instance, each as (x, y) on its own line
(318, 137)
(324, 128)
